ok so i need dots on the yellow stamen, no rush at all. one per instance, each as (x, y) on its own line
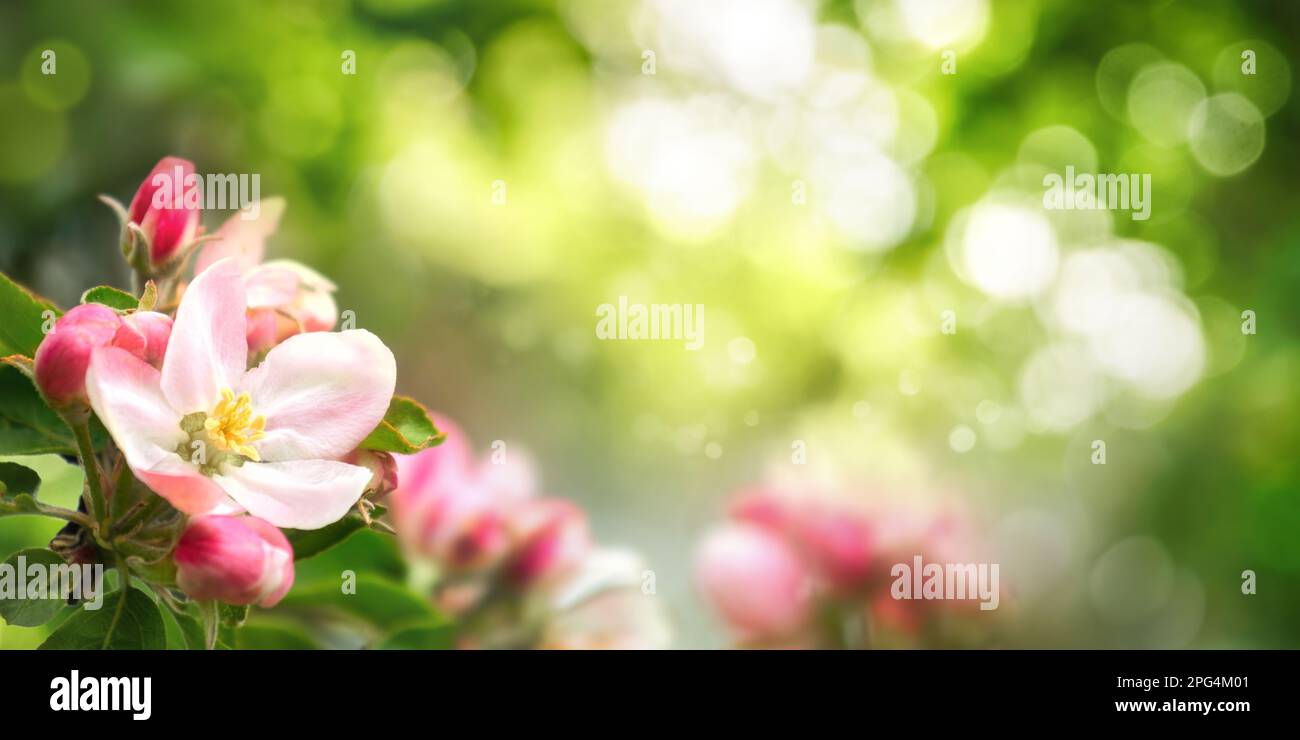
(232, 425)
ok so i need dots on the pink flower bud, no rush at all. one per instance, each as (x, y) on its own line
(840, 545)
(383, 471)
(454, 509)
(756, 580)
(64, 354)
(837, 540)
(476, 540)
(267, 327)
(166, 208)
(238, 560)
(551, 536)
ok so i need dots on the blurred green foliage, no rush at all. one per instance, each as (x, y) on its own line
(390, 174)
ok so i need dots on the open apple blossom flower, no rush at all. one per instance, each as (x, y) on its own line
(166, 207)
(236, 559)
(792, 549)
(214, 438)
(284, 297)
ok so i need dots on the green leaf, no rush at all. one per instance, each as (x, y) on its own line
(24, 316)
(367, 550)
(193, 631)
(184, 631)
(27, 425)
(23, 364)
(265, 635)
(16, 479)
(107, 295)
(123, 622)
(431, 635)
(18, 486)
(406, 428)
(35, 609)
(309, 542)
(377, 601)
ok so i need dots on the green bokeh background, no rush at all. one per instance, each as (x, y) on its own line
(389, 176)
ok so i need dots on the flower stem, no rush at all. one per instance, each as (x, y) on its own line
(98, 503)
(124, 592)
(211, 623)
(58, 512)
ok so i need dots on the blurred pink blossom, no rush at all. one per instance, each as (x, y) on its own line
(790, 551)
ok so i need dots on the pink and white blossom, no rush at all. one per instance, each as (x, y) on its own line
(454, 508)
(214, 437)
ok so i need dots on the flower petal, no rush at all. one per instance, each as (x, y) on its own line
(269, 286)
(304, 494)
(321, 394)
(243, 236)
(208, 350)
(313, 301)
(125, 393)
(185, 487)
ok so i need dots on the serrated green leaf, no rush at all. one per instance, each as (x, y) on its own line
(33, 609)
(309, 542)
(24, 315)
(107, 295)
(130, 622)
(406, 428)
(21, 363)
